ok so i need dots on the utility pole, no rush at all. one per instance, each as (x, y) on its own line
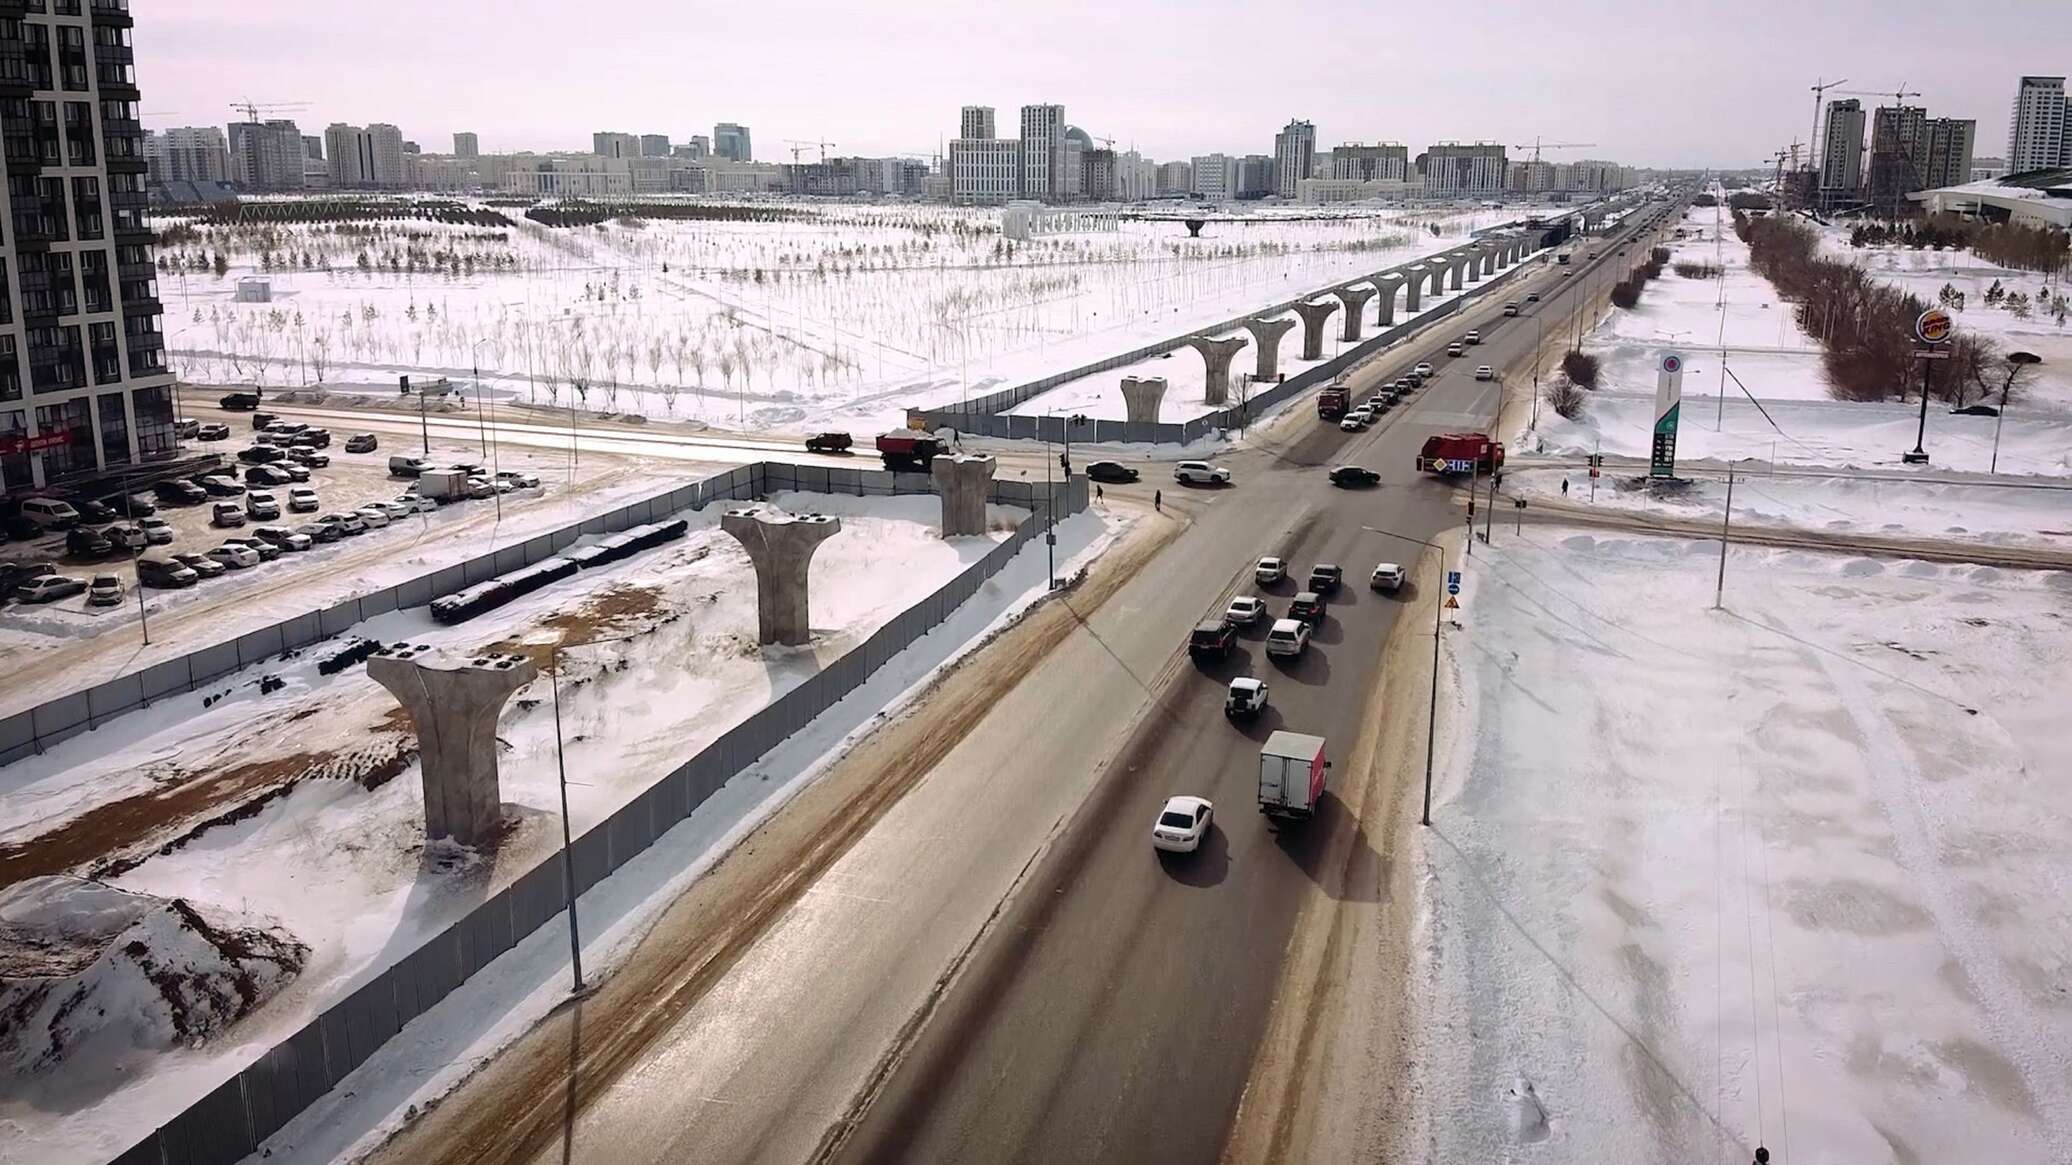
(1432, 702)
(1726, 519)
(2016, 361)
(568, 869)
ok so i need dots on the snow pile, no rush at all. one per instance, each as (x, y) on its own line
(85, 966)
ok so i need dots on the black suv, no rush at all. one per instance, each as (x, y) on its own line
(180, 493)
(1324, 577)
(1212, 637)
(1111, 471)
(361, 443)
(1349, 476)
(1308, 607)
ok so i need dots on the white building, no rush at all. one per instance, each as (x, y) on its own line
(985, 169)
(568, 176)
(1213, 177)
(190, 153)
(1841, 158)
(1452, 169)
(976, 123)
(2039, 134)
(1294, 155)
(1043, 150)
(1327, 191)
(611, 144)
(1136, 177)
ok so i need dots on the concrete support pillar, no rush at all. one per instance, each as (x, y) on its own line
(454, 701)
(781, 546)
(961, 483)
(1454, 263)
(1472, 264)
(1313, 317)
(1488, 262)
(1387, 287)
(1412, 290)
(1503, 256)
(1355, 301)
(1266, 342)
(1217, 353)
(1141, 396)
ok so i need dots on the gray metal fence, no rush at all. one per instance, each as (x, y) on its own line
(230, 1122)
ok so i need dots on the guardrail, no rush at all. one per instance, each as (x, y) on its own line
(232, 1120)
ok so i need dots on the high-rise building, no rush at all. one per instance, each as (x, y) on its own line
(266, 155)
(1841, 154)
(1175, 179)
(1253, 177)
(1450, 168)
(1214, 177)
(365, 157)
(1365, 163)
(612, 144)
(975, 123)
(654, 145)
(1294, 155)
(1136, 177)
(985, 169)
(1898, 154)
(84, 386)
(1043, 150)
(1947, 161)
(312, 147)
(1984, 167)
(699, 146)
(731, 142)
(190, 153)
(2039, 135)
(1097, 174)
(466, 146)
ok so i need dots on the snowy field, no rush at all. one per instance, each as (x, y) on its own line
(840, 316)
(658, 658)
(1790, 873)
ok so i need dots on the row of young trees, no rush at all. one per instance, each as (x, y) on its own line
(2013, 245)
(1626, 292)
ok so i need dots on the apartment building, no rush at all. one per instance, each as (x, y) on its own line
(2039, 135)
(1294, 156)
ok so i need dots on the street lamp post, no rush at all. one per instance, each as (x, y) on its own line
(1432, 705)
(568, 869)
(2016, 361)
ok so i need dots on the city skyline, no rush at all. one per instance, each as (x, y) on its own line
(1744, 90)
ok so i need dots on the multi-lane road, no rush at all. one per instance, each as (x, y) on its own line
(1001, 968)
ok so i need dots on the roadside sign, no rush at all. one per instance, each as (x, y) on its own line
(1452, 582)
(1452, 604)
(1931, 354)
(17, 443)
(1933, 326)
(1669, 372)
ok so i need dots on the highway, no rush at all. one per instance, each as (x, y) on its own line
(999, 967)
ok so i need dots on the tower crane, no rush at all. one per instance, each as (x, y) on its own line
(1820, 89)
(1899, 96)
(797, 145)
(1535, 145)
(252, 109)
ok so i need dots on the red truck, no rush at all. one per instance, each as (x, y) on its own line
(908, 450)
(1333, 401)
(1460, 453)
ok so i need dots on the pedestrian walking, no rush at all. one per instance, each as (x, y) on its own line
(1564, 487)
(1098, 495)
(1158, 500)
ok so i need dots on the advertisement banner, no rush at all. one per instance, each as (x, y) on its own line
(1668, 404)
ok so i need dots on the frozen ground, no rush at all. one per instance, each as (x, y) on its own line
(659, 658)
(1789, 873)
(839, 318)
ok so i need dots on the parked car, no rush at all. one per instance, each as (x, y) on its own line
(373, 517)
(49, 588)
(234, 555)
(157, 531)
(1424, 370)
(14, 574)
(266, 551)
(1484, 372)
(1212, 637)
(165, 573)
(202, 565)
(185, 428)
(309, 457)
(1245, 698)
(1307, 606)
(1113, 472)
(302, 500)
(1324, 577)
(267, 475)
(136, 505)
(126, 537)
(284, 538)
(261, 454)
(1351, 476)
(829, 443)
(1270, 570)
(289, 427)
(50, 513)
(227, 514)
(217, 486)
(346, 525)
(519, 479)
(1182, 824)
(1288, 637)
(1200, 473)
(261, 506)
(213, 431)
(94, 512)
(1388, 576)
(401, 466)
(262, 420)
(180, 492)
(87, 542)
(396, 509)
(416, 504)
(105, 590)
(362, 443)
(1245, 610)
(495, 484)
(1355, 421)
(21, 529)
(296, 471)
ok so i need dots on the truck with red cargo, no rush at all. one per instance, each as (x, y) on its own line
(1291, 775)
(1333, 401)
(908, 450)
(1460, 453)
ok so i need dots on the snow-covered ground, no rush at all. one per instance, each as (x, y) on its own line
(1788, 873)
(658, 658)
(840, 317)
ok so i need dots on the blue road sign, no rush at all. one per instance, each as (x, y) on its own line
(1452, 582)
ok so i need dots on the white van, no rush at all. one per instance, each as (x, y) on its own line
(50, 513)
(1288, 637)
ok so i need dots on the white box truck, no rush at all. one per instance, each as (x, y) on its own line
(1291, 775)
(443, 485)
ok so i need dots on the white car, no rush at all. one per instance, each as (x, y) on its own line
(374, 516)
(518, 479)
(104, 591)
(1387, 577)
(1270, 570)
(302, 500)
(1354, 422)
(234, 556)
(396, 509)
(157, 531)
(1200, 473)
(1424, 369)
(1484, 372)
(416, 504)
(1182, 824)
(1473, 337)
(1246, 696)
(1245, 610)
(1288, 637)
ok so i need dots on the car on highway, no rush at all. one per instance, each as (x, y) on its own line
(1212, 637)
(49, 588)
(1200, 473)
(104, 590)
(362, 443)
(288, 540)
(831, 442)
(1510, 309)
(266, 551)
(1324, 577)
(1353, 476)
(1182, 824)
(87, 542)
(157, 531)
(373, 516)
(1456, 349)
(165, 573)
(1423, 370)
(1533, 298)
(302, 500)
(1307, 607)
(1245, 697)
(1473, 336)
(1484, 372)
(218, 486)
(1355, 422)
(1388, 576)
(180, 492)
(227, 514)
(201, 564)
(522, 480)
(1245, 610)
(1288, 637)
(1270, 570)
(233, 556)
(213, 431)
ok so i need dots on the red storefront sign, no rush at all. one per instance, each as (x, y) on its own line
(18, 443)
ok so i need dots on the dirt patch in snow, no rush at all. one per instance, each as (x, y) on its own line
(624, 609)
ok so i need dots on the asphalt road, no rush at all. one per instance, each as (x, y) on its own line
(1114, 1012)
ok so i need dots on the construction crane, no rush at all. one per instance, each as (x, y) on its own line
(797, 145)
(253, 109)
(1820, 89)
(1535, 145)
(1899, 96)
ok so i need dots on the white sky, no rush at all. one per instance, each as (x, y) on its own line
(1650, 82)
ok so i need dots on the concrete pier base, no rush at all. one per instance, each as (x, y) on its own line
(1413, 289)
(961, 482)
(1217, 353)
(1266, 340)
(1141, 395)
(1313, 316)
(781, 546)
(1355, 301)
(1471, 263)
(1387, 288)
(1453, 272)
(454, 700)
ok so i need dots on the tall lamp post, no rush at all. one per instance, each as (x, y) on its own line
(2016, 361)
(1432, 707)
(482, 427)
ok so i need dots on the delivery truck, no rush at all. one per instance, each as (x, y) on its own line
(1291, 775)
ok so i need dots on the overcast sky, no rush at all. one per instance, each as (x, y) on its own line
(1650, 83)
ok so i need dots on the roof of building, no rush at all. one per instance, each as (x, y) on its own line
(2042, 195)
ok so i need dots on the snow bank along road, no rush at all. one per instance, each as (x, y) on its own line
(1113, 1005)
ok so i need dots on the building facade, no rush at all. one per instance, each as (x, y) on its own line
(1213, 177)
(975, 123)
(1175, 179)
(1841, 157)
(1983, 168)
(1451, 169)
(2039, 135)
(612, 144)
(985, 170)
(654, 145)
(190, 153)
(266, 156)
(1948, 158)
(1294, 156)
(466, 146)
(1136, 177)
(84, 385)
(365, 157)
(1097, 174)
(1043, 150)
(731, 142)
(1364, 163)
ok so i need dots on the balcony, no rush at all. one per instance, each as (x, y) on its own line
(113, 13)
(129, 271)
(114, 54)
